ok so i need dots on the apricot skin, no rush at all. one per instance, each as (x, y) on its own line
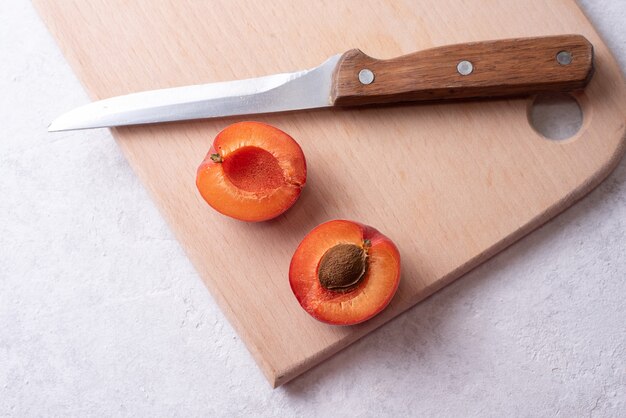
(369, 297)
(253, 172)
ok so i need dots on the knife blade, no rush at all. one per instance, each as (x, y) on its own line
(509, 67)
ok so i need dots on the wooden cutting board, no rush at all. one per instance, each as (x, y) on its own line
(451, 184)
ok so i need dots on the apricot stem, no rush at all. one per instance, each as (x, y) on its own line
(216, 158)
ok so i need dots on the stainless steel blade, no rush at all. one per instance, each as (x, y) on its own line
(275, 93)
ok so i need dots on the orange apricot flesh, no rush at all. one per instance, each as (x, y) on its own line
(253, 172)
(359, 303)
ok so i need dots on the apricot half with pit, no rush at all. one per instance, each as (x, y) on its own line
(253, 172)
(344, 272)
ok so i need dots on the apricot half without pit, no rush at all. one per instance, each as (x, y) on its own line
(344, 272)
(253, 172)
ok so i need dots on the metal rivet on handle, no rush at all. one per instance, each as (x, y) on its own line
(366, 76)
(564, 58)
(465, 67)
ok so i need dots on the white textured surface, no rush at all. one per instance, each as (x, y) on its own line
(102, 314)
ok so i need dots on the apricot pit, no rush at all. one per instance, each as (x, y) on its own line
(342, 267)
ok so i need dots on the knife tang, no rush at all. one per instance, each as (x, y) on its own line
(481, 69)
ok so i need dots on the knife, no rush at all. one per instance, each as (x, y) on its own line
(497, 68)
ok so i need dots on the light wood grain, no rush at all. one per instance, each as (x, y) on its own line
(506, 67)
(451, 184)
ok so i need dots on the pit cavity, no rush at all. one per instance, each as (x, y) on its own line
(253, 169)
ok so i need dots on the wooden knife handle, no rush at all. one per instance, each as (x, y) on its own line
(494, 68)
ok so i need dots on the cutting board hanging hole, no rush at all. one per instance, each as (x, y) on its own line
(556, 116)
